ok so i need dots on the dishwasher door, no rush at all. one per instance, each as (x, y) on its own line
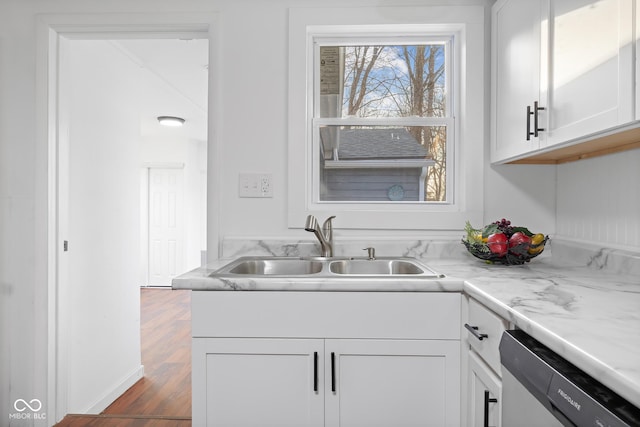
(521, 408)
(540, 388)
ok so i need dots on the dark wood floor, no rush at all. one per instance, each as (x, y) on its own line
(163, 397)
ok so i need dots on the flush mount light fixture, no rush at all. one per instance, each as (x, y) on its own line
(171, 121)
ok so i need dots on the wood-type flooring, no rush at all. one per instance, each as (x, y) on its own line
(162, 398)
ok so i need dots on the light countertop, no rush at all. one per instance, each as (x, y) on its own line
(587, 310)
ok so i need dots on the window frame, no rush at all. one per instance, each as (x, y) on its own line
(390, 36)
(342, 26)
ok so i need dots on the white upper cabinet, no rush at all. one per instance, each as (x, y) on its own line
(575, 59)
(516, 64)
(591, 71)
(637, 46)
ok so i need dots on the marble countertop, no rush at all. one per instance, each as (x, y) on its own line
(201, 279)
(591, 318)
(583, 310)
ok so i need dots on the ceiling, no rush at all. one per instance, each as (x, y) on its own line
(177, 71)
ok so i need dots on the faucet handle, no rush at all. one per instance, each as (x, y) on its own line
(371, 252)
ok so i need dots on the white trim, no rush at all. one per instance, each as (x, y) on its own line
(377, 164)
(469, 49)
(109, 397)
(50, 28)
(163, 165)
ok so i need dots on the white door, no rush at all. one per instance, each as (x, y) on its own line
(257, 382)
(166, 228)
(392, 383)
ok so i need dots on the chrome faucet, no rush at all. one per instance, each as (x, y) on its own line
(324, 234)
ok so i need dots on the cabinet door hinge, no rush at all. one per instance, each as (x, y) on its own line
(65, 245)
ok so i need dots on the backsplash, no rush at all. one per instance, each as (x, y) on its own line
(232, 247)
(560, 251)
(598, 200)
(597, 258)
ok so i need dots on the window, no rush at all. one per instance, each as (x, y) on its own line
(380, 130)
(382, 120)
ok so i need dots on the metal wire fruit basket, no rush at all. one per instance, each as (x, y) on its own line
(516, 255)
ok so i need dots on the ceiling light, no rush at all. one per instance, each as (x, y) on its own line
(170, 121)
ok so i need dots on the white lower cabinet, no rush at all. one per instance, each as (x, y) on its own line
(391, 383)
(485, 394)
(294, 367)
(484, 384)
(255, 382)
(300, 382)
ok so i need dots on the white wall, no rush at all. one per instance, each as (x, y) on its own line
(599, 200)
(103, 315)
(523, 194)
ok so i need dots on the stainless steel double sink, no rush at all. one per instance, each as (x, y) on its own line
(326, 267)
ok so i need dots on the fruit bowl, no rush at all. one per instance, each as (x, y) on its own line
(501, 243)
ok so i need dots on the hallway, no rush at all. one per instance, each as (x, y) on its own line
(162, 398)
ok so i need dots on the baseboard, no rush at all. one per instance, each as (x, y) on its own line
(117, 391)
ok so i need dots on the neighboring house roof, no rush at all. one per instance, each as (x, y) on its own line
(381, 144)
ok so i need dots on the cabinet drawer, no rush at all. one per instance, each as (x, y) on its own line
(490, 324)
(399, 315)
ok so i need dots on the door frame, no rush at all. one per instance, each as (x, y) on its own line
(50, 140)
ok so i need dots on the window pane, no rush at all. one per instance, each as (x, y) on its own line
(382, 163)
(383, 81)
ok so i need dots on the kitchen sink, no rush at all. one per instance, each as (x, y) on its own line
(375, 267)
(325, 267)
(274, 266)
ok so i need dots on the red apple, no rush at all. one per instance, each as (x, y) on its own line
(498, 244)
(519, 243)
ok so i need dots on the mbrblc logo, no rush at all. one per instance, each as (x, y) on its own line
(27, 410)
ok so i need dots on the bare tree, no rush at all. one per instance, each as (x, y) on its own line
(374, 82)
(424, 73)
(363, 60)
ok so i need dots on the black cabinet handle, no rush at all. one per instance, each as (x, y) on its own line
(536, 109)
(333, 372)
(487, 400)
(529, 113)
(315, 371)
(474, 331)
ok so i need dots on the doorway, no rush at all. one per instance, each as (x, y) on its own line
(163, 224)
(94, 312)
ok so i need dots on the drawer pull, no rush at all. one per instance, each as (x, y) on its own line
(529, 114)
(536, 127)
(487, 400)
(474, 331)
(315, 371)
(333, 372)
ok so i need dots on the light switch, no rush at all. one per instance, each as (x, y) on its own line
(255, 185)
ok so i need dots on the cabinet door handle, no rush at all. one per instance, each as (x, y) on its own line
(333, 372)
(315, 371)
(536, 109)
(487, 400)
(529, 113)
(474, 332)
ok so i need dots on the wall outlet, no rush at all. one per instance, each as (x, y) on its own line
(255, 185)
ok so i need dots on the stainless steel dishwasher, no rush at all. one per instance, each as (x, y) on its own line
(540, 388)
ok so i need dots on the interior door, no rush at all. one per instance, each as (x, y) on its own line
(166, 228)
